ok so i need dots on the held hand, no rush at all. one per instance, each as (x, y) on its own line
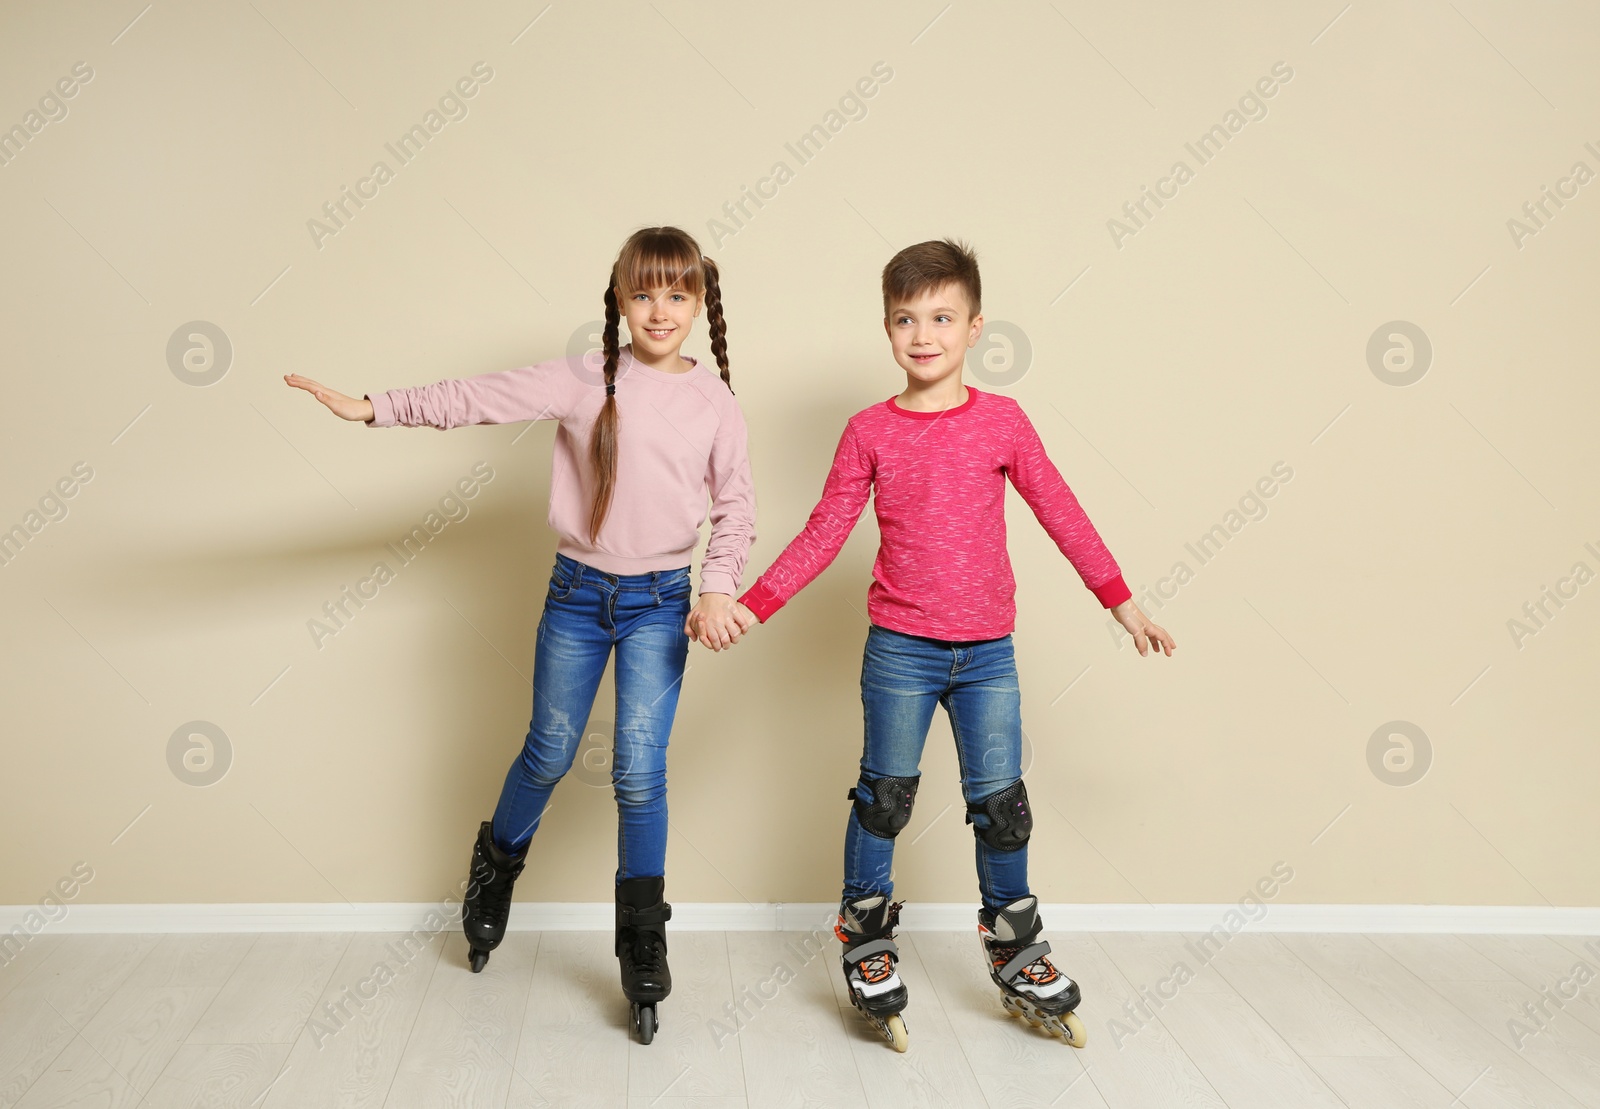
(713, 622)
(348, 408)
(1143, 631)
(746, 618)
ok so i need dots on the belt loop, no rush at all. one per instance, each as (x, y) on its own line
(655, 587)
(577, 573)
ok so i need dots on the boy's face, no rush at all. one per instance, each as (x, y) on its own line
(932, 332)
(659, 319)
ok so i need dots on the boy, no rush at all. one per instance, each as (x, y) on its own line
(942, 609)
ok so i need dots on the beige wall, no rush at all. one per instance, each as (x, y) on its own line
(1228, 334)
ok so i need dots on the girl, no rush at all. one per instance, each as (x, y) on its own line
(636, 456)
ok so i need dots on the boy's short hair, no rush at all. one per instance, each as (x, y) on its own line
(918, 269)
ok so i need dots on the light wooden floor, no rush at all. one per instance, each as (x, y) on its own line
(1277, 1022)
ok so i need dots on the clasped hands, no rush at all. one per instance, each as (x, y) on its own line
(717, 621)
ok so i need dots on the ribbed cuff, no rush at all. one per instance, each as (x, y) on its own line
(382, 410)
(1112, 593)
(760, 600)
(718, 581)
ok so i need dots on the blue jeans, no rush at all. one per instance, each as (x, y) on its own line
(587, 613)
(902, 678)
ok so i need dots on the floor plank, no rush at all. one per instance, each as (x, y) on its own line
(349, 1050)
(1131, 1058)
(272, 990)
(1246, 1061)
(1563, 1049)
(692, 1056)
(140, 1029)
(1469, 1062)
(461, 1049)
(1308, 1013)
(18, 959)
(81, 972)
(1440, 958)
(32, 1036)
(795, 1048)
(1543, 964)
(1392, 1082)
(217, 1076)
(573, 1047)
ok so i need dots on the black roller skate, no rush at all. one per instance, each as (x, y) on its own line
(1030, 985)
(642, 918)
(866, 928)
(487, 903)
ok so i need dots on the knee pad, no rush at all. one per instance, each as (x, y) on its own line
(1010, 817)
(889, 810)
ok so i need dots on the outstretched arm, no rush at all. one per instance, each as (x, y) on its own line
(844, 495)
(544, 391)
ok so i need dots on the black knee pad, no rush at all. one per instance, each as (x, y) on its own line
(1010, 817)
(890, 808)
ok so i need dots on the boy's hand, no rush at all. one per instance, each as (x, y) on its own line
(746, 618)
(1143, 631)
(713, 621)
(349, 408)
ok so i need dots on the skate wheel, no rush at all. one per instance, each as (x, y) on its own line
(895, 1029)
(1072, 1030)
(479, 959)
(645, 1017)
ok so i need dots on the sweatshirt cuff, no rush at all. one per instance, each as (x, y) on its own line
(718, 581)
(382, 410)
(1111, 593)
(761, 601)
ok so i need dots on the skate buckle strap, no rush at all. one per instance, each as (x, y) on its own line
(872, 947)
(657, 914)
(1022, 958)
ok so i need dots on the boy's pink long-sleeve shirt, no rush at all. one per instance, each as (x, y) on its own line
(681, 439)
(942, 569)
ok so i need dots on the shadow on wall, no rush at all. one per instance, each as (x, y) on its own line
(491, 566)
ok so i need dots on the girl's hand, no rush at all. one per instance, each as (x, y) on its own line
(349, 408)
(713, 622)
(1143, 631)
(746, 618)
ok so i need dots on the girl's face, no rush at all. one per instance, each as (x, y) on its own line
(659, 319)
(932, 332)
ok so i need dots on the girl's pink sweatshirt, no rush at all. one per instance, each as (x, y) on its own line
(680, 441)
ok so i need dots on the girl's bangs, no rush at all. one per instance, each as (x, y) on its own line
(660, 265)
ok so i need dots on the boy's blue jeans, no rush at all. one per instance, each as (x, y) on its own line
(587, 613)
(902, 678)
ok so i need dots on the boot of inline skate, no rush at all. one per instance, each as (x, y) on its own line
(487, 904)
(869, 958)
(1030, 985)
(641, 945)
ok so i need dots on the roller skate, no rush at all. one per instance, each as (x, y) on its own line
(1030, 986)
(642, 917)
(866, 928)
(487, 903)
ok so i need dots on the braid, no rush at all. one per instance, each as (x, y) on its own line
(719, 325)
(603, 440)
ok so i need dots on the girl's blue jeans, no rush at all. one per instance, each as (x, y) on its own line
(588, 614)
(902, 678)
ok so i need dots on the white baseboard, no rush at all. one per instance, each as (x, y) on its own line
(804, 917)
